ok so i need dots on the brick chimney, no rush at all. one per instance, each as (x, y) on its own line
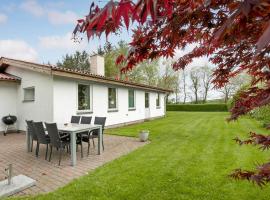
(97, 65)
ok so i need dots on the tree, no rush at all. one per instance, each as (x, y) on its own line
(235, 36)
(184, 74)
(231, 87)
(195, 77)
(206, 81)
(78, 60)
(169, 79)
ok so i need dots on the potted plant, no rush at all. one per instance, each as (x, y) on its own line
(143, 136)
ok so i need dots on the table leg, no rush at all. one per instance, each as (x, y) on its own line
(73, 149)
(99, 140)
(28, 141)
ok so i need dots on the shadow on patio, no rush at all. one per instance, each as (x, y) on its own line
(49, 175)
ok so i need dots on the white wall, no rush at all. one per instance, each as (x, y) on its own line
(41, 108)
(65, 102)
(8, 96)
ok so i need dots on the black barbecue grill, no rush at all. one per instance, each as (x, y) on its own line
(9, 121)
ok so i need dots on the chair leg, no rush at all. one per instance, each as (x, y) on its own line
(46, 155)
(93, 142)
(81, 150)
(50, 153)
(60, 155)
(32, 145)
(88, 148)
(37, 149)
(102, 143)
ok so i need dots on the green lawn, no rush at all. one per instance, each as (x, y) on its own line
(189, 157)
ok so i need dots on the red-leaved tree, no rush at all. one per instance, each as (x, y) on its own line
(235, 36)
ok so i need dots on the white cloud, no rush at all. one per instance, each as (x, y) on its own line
(67, 17)
(55, 17)
(62, 42)
(3, 18)
(33, 7)
(17, 49)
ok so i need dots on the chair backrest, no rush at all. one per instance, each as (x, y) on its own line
(100, 121)
(75, 119)
(86, 120)
(53, 134)
(31, 129)
(40, 131)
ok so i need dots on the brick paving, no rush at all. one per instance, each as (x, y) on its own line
(49, 175)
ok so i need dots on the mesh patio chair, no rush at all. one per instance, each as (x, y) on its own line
(75, 119)
(86, 120)
(31, 132)
(94, 133)
(56, 140)
(42, 138)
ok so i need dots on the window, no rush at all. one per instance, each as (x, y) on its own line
(29, 94)
(112, 99)
(131, 99)
(83, 97)
(146, 100)
(158, 101)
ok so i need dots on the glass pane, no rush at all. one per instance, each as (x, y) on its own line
(112, 98)
(158, 101)
(131, 99)
(29, 94)
(83, 97)
(146, 100)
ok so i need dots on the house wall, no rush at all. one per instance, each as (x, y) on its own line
(42, 108)
(8, 96)
(65, 102)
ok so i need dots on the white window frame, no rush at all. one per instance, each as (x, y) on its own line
(158, 98)
(29, 88)
(132, 108)
(90, 99)
(116, 92)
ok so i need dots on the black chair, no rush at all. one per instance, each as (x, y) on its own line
(94, 133)
(41, 136)
(75, 119)
(55, 140)
(86, 120)
(31, 132)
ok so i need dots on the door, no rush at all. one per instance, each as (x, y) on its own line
(147, 105)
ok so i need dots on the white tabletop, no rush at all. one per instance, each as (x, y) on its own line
(76, 127)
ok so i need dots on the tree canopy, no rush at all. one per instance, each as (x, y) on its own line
(235, 36)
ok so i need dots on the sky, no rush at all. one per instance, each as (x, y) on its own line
(41, 31)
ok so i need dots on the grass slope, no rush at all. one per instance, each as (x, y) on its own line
(189, 158)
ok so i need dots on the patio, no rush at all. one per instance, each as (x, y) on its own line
(49, 175)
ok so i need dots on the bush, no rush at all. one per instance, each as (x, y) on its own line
(222, 107)
(262, 114)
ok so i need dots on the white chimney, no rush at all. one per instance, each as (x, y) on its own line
(97, 65)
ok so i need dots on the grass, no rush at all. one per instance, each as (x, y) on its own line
(189, 158)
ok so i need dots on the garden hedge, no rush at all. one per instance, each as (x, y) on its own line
(222, 107)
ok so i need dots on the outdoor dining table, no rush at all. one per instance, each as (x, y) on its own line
(73, 130)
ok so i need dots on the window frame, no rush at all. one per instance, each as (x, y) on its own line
(29, 88)
(116, 99)
(90, 99)
(148, 100)
(158, 100)
(134, 96)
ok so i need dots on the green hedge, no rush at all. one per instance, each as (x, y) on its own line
(198, 107)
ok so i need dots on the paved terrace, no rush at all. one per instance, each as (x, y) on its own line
(49, 175)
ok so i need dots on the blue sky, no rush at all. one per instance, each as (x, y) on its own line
(40, 31)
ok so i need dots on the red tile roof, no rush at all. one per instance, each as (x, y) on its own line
(8, 77)
(5, 62)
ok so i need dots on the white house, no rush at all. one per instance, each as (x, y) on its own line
(47, 93)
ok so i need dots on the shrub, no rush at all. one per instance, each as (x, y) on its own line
(222, 107)
(262, 114)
